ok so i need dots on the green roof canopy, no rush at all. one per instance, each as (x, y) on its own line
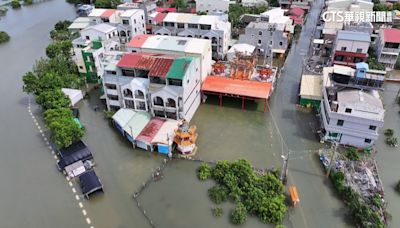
(179, 67)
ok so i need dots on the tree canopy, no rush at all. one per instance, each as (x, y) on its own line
(4, 37)
(53, 99)
(108, 4)
(260, 195)
(59, 48)
(236, 10)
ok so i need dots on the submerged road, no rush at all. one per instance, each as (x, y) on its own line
(319, 205)
(32, 192)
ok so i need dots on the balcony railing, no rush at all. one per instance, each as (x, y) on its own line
(392, 50)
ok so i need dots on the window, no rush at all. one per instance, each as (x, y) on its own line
(181, 25)
(270, 43)
(259, 41)
(348, 110)
(134, 21)
(359, 50)
(197, 69)
(194, 26)
(260, 33)
(340, 122)
(87, 37)
(125, 22)
(372, 127)
(343, 48)
(280, 43)
(367, 140)
(339, 58)
(142, 17)
(81, 67)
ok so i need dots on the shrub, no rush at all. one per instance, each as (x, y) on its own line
(352, 154)
(376, 200)
(218, 194)
(389, 132)
(108, 114)
(391, 141)
(280, 226)
(239, 214)
(217, 211)
(204, 172)
(28, 2)
(15, 4)
(398, 187)
(4, 37)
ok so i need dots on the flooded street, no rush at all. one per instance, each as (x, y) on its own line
(35, 194)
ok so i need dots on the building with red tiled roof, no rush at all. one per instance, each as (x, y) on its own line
(388, 47)
(297, 15)
(168, 86)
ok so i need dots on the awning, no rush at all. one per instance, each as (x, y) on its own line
(90, 183)
(76, 152)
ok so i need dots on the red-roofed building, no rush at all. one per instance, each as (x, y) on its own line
(138, 41)
(147, 134)
(165, 10)
(388, 47)
(297, 15)
(108, 13)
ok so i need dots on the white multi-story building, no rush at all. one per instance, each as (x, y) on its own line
(147, 6)
(388, 47)
(212, 5)
(197, 26)
(351, 109)
(254, 3)
(333, 23)
(129, 22)
(164, 85)
(90, 47)
(174, 45)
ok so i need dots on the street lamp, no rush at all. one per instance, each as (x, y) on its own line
(133, 144)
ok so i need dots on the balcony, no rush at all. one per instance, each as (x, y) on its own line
(391, 50)
(114, 103)
(112, 92)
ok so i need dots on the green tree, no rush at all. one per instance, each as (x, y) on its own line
(51, 115)
(179, 4)
(53, 99)
(218, 194)
(272, 210)
(59, 48)
(15, 4)
(280, 226)
(65, 131)
(28, 2)
(204, 172)
(239, 214)
(4, 37)
(398, 187)
(108, 4)
(217, 211)
(352, 154)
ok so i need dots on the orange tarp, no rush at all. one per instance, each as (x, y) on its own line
(293, 195)
(245, 88)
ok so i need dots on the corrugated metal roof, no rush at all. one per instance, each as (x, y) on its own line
(160, 67)
(136, 124)
(311, 87)
(97, 12)
(131, 60)
(178, 68)
(244, 88)
(167, 131)
(391, 35)
(108, 13)
(150, 130)
(352, 35)
(138, 40)
(123, 115)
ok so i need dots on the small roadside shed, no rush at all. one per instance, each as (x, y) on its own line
(164, 138)
(76, 152)
(311, 90)
(135, 125)
(147, 134)
(121, 118)
(74, 95)
(90, 183)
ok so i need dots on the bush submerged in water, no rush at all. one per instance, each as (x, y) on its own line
(15, 4)
(4, 37)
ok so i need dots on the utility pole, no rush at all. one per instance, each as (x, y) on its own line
(133, 143)
(285, 167)
(332, 158)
